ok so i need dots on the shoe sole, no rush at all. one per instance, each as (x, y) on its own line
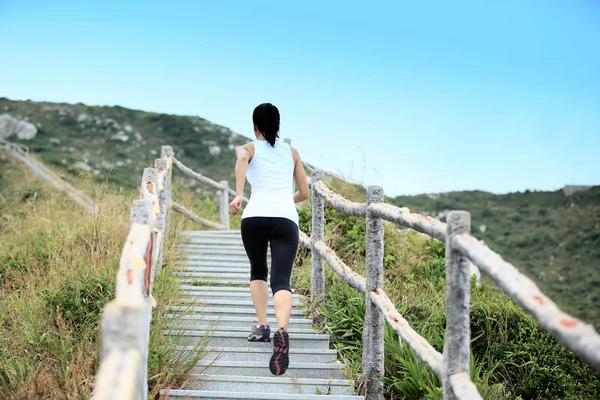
(280, 359)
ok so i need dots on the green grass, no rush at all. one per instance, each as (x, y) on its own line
(86, 133)
(552, 238)
(57, 271)
(511, 356)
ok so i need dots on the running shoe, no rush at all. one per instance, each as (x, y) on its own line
(280, 359)
(260, 333)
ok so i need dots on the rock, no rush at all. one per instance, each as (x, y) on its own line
(54, 140)
(105, 164)
(11, 126)
(82, 118)
(128, 128)
(83, 166)
(123, 138)
(482, 228)
(138, 137)
(153, 152)
(214, 150)
(119, 163)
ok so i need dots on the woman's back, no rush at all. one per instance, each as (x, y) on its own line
(270, 174)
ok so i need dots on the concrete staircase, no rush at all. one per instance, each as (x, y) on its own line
(215, 284)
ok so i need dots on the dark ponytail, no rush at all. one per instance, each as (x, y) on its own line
(266, 119)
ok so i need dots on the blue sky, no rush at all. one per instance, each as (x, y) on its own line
(417, 97)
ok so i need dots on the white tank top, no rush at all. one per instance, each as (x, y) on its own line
(271, 177)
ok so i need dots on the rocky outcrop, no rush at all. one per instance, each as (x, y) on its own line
(10, 126)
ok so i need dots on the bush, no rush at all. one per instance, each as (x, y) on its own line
(80, 302)
(512, 357)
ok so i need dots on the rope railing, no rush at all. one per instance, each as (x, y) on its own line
(123, 370)
(462, 251)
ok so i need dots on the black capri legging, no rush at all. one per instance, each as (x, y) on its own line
(282, 233)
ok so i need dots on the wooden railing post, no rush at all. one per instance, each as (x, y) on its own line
(373, 348)
(224, 205)
(317, 277)
(458, 291)
(161, 166)
(149, 191)
(166, 152)
(289, 141)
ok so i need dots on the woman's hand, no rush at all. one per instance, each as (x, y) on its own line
(234, 206)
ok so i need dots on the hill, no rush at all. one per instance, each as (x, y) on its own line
(553, 237)
(116, 143)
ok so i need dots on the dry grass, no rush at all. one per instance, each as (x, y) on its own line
(57, 270)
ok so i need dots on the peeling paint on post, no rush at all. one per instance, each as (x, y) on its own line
(317, 277)
(224, 209)
(149, 190)
(373, 349)
(458, 334)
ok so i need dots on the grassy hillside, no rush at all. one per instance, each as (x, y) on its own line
(57, 270)
(512, 357)
(117, 143)
(553, 238)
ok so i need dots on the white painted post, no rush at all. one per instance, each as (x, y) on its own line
(317, 277)
(458, 291)
(373, 339)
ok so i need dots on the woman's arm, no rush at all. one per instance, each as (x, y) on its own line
(300, 178)
(244, 156)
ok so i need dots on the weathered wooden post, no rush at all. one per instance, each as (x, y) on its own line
(224, 204)
(317, 277)
(149, 190)
(289, 141)
(126, 320)
(373, 340)
(161, 166)
(166, 152)
(458, 292)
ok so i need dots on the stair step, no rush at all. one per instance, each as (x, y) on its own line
(220, 289)
(230, 320)
(240, 339)
(208, 275)
(257, 368)
(225, 264)
(233, 232)
(242, 283)
(212, 395)
(225, 257)
(263, 354)
(213, 250)
(225, 294)
(225, 241)
(225, 311)
(269, 385)
(214, 270)
(213, 244)
(181, 326)
(232, 302)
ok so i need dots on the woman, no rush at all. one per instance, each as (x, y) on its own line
(270, 217)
